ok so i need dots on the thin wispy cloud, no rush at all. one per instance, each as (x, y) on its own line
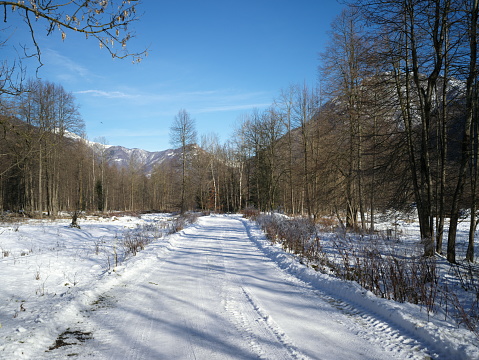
(232, 107)
(204, 101)
(108, 94)
(149, 97)
(72, 68)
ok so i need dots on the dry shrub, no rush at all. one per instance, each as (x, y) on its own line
(180, 222)
(133, 242)
(250, 213)
(378, 266)
(327, 223)
(124, 213)
(295, 235)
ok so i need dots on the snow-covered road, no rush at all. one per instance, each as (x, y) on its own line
(215, 295)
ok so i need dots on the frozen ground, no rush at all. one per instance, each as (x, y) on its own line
(216, 290)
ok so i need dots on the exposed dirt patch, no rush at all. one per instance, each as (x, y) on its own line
(70, 337)
(103, 302)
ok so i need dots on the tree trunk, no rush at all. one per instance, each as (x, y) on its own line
(466, 138)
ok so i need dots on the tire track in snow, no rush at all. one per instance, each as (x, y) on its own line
(211, 270)
(245, 319)
(273, 327)
(368, 324)
(266, 339)
(264, 336)
(372, 328)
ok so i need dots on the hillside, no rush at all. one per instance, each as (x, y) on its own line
(123, 157)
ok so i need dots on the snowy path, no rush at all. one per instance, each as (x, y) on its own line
(215, 295)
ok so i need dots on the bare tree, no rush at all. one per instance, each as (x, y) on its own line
(469, 136)
(50, 112)
(183, 135)
(285, 105)
(344, 68)
(100, 159)
(240, 164)
(415, 38)
(208, 170)
(305, 107)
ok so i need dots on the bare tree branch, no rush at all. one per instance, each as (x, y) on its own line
(105, 20)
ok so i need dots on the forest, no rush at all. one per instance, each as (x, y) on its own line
(391, 125)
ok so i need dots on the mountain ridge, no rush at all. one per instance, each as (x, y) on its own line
(123, 157)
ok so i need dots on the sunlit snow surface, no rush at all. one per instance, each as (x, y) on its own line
(216, 290)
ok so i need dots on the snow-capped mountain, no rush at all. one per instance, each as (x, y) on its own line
(124, 157)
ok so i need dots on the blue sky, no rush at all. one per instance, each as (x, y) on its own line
(216, 59)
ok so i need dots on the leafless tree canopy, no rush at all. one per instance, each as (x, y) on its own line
(183, 136)
(106, 21)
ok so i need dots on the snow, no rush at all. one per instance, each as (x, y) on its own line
(216, 290)
(73, 136)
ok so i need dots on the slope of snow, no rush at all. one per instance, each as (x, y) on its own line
(49, 272)
(92, 144)
(216, 290)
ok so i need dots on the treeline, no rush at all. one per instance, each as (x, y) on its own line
(392, 124)
(43, 171)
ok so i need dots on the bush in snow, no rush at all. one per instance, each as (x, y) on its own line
(250, 213)
(295, 235)
(180, 222)
(134, 241)
(378, 265)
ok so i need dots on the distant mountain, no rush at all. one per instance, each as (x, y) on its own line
(123, 157)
